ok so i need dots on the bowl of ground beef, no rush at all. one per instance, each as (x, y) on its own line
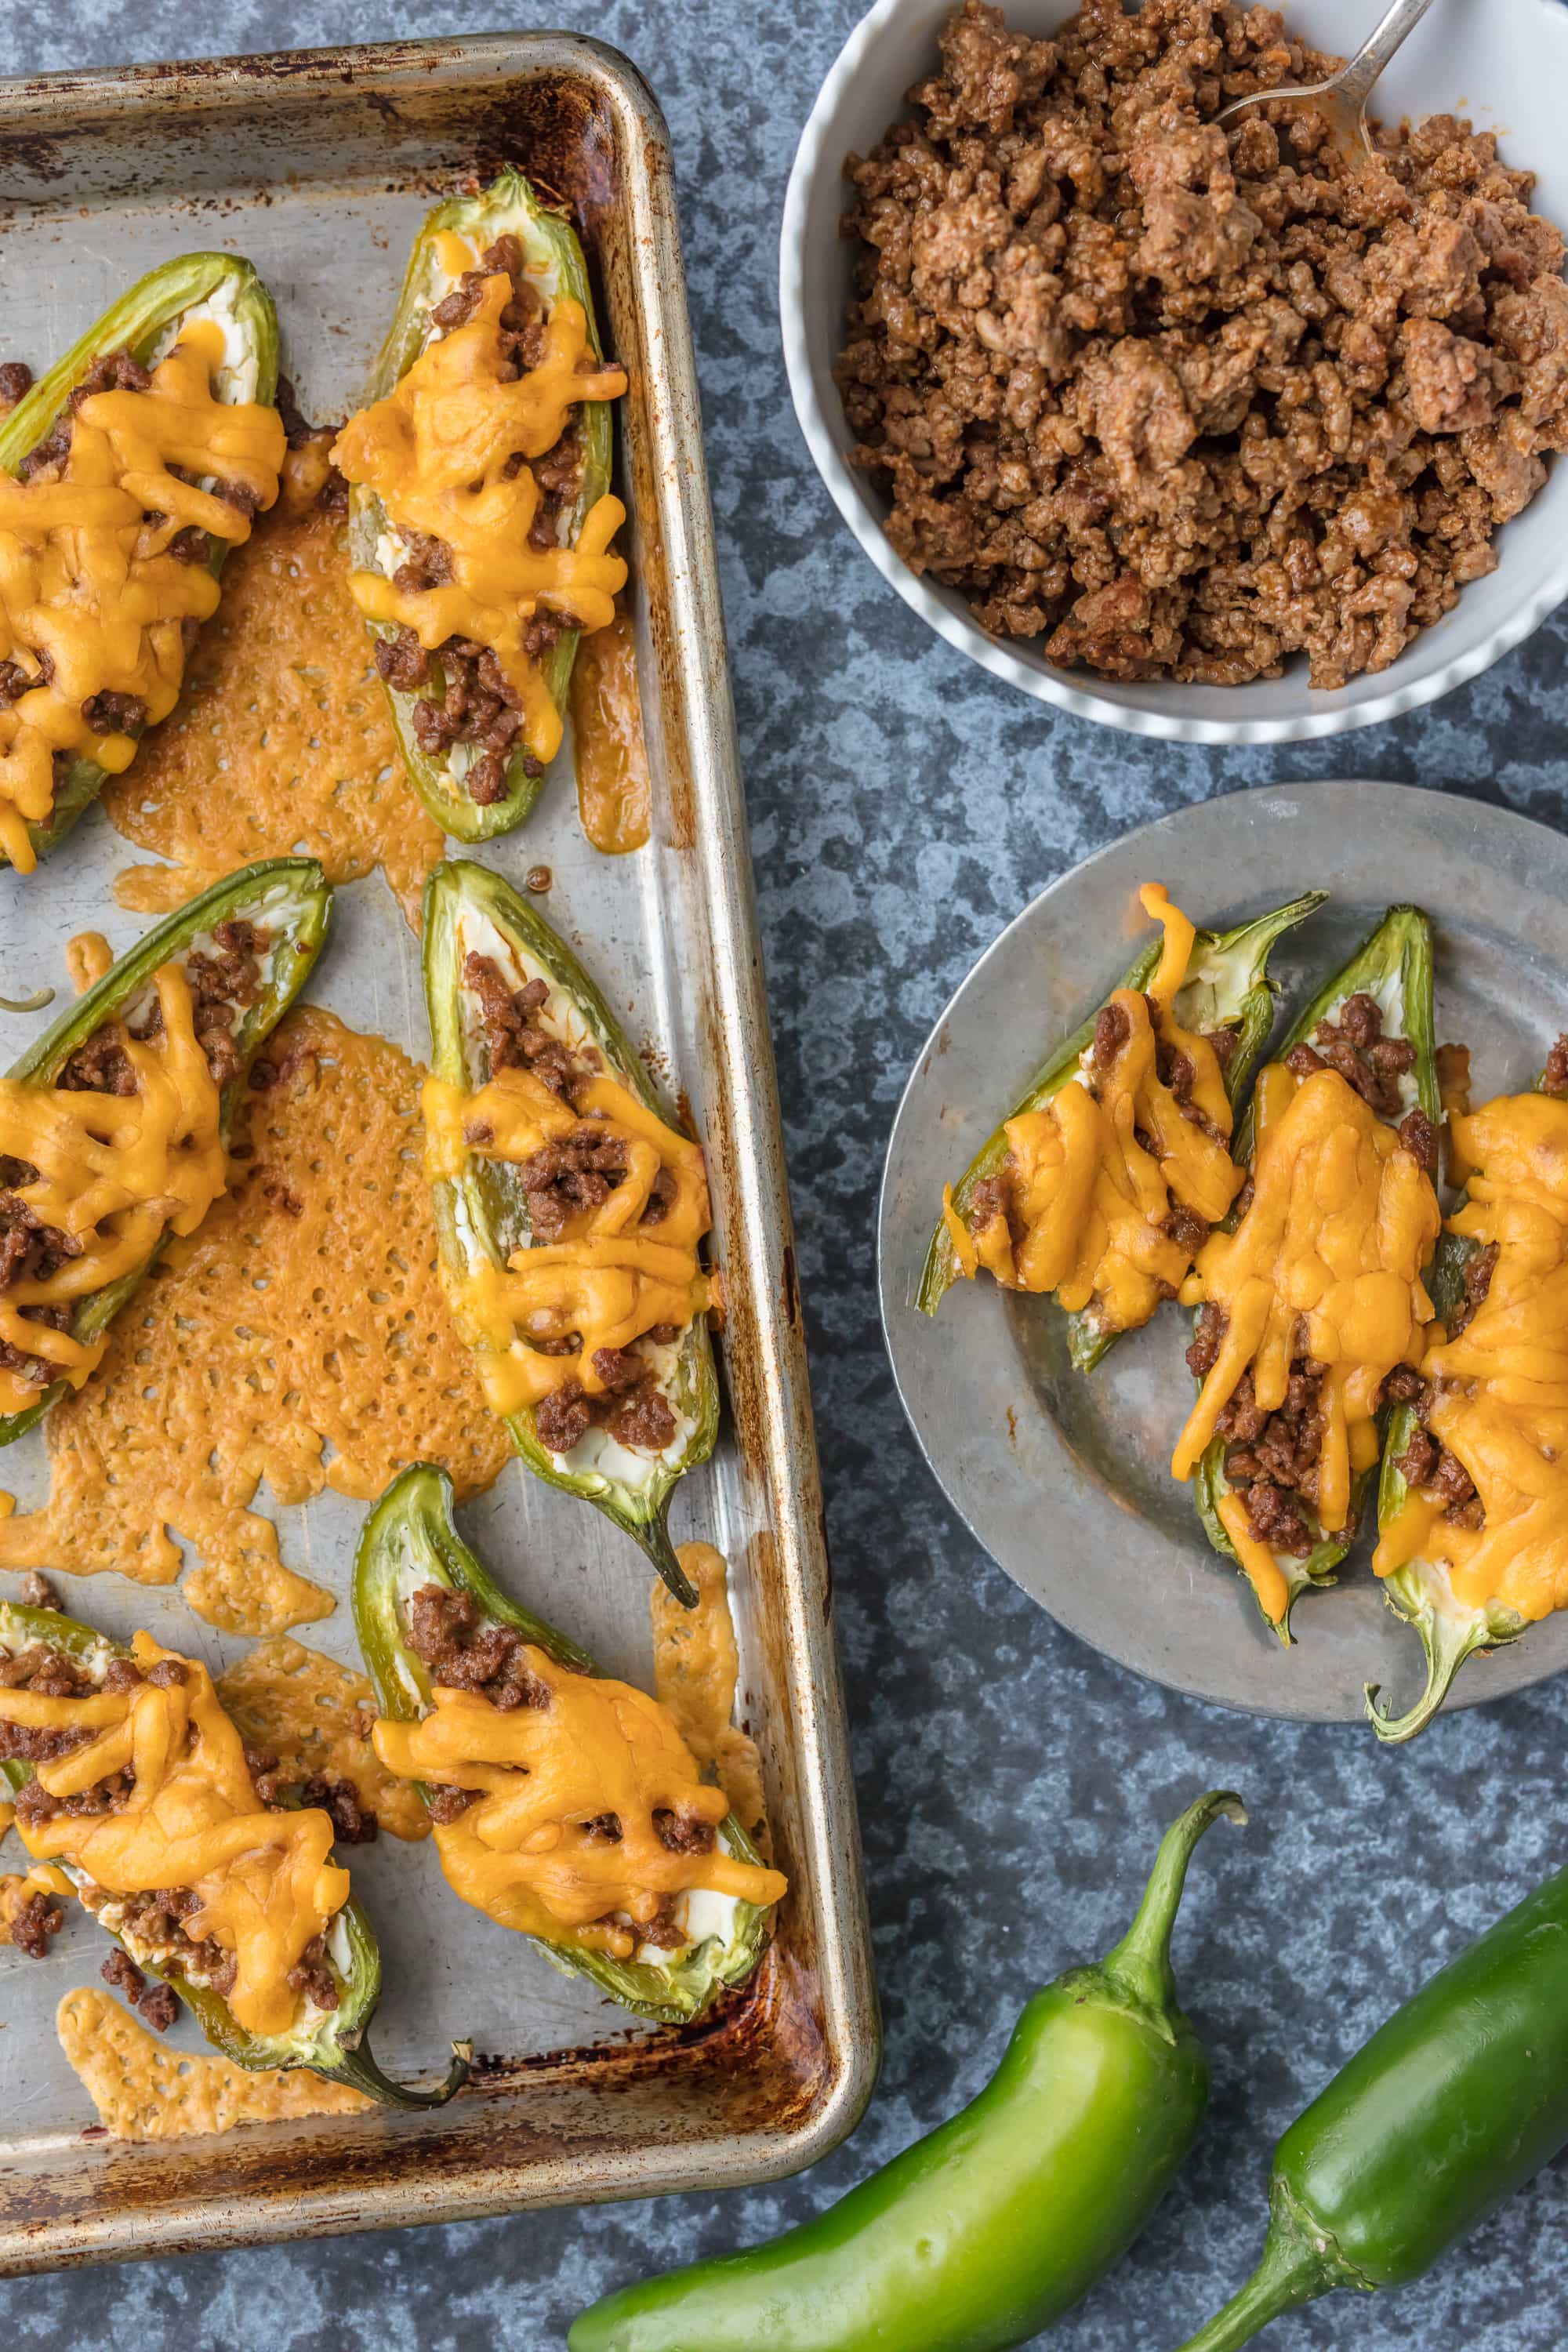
(1223, 435)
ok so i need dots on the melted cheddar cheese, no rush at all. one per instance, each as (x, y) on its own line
(113, 1173)
(1090, 1199)
(266, 1881)
(608, 1278)
(696, 1665)
(439, 453)
(144, 2092)
(1501, 1400)
(300, 1336)
(613, 787)
(532, 1851)
(1326, 1263)
(86, 575)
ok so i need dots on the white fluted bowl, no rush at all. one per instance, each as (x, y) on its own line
(1502, 62)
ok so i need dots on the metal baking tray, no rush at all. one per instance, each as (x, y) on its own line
(320, 167)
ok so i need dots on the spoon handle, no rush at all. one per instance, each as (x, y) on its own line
(1355, 79)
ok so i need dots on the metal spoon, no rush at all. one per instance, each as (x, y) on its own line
(1343, 97)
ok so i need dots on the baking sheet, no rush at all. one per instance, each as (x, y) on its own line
(319, 169)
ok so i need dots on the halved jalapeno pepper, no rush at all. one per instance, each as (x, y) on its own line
(485, 1225)
(1394, 967)
(454, 239)
(329, 2041)
(288, 899)
(1225, 992)
(410, 1542)
(1418, 1586)
(147, 322)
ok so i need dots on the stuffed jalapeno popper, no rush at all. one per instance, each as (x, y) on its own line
(479, 509)
(1473, 1501)
(1115, 1165)
(1312, 1305)
(133, 1785)
(126, 475)
(114, 1125)
(570, 1214)
(565, 1805)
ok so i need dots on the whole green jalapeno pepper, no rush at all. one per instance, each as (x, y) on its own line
(1455, 2103)
(288, 898)
(555, 270)
(482, 1217)
(1227, 989)
(1394, 967)
(410, 1540)
(988, 2231)
(146, 322)
(329, 2042)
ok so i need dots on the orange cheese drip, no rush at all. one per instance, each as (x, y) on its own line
(1502, 1400)
(608, 1278)
(113, 1171)
(1326, 1263)
(613, 787)
(266, 1881)
(1091, 1202)
(437, 454)
(524, 1853)
(86, 579)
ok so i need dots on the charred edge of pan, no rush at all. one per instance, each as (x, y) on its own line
(763, 2039)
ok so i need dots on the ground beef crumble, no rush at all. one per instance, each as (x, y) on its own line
(1271, 1457)
(1373, 1064)
(462, 693)
(1185, 402)
(37, 1919)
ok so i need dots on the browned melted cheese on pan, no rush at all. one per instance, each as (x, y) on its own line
(317, 1717)
(282, 741)
(143, 2091)
(613, 788)
(696, 1667)
(300, 1336)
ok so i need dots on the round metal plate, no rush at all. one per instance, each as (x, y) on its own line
(1064, 1478)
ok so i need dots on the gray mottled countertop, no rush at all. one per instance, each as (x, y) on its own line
(904, 806)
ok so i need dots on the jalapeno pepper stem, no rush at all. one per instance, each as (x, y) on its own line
(1448, 1643)
(1142, 1958)
(654, 1538)
(34, 1003)
(359, 2069)
(1293, 2271)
